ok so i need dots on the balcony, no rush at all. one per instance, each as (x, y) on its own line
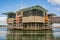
(10, 20)
(33, 19)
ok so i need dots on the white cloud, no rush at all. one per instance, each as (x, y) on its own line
(57, 9)
(3, 20)
(54, 2)
(56, 24)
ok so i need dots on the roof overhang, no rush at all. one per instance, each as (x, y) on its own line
(35, 7)
(8, 13)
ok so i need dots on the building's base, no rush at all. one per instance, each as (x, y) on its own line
(42, 28)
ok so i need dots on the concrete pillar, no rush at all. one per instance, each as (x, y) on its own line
(31, 25)
(22, 18)
(35, 26)
(41, 26)
(27, 25)
(23, 26)
(38, 25)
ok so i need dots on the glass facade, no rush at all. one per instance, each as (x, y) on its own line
(11, 15)
(33, 12)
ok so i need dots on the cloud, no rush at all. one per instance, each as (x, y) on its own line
(3, 20)
(56, 25)
(57, 9)
(54, 2)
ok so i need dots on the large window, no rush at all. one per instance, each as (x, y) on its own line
(26, 13)
(11, 15)
(25, 25)
(36, 12)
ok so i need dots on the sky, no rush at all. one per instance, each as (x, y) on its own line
(53, 6)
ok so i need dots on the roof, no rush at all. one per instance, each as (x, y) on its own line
(9, 13)
(56, 19)
(51, 14)
(30, 8)
(56, 16)
(35, 7)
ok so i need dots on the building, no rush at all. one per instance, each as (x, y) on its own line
(32, 18)
(51, 19)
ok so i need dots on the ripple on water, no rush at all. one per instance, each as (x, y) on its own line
(3, 29)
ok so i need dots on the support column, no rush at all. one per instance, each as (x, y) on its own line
(35, 26)
(23, 26)
(22, 18)
(31, 25)
(41, 26)
(38, 25)
(27, 26)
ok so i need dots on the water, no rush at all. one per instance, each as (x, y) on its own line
(29, 35)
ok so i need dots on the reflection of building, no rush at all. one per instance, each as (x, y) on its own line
(30, 35)
(33, 18)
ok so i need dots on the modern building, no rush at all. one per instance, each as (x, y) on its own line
(32, 18)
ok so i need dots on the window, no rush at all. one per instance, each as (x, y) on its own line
(25, 25)
(36, 12)
(33, 24)
(40, 13)
(29, 24)
(26, 13)
(18, 13)
(37, 24)
(11, 15)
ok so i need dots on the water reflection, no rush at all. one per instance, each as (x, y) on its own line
(3, 33)
(30, 35)
(56, 33)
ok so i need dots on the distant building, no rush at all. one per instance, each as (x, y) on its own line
(51, 19)
(51, 15)
(32, 18)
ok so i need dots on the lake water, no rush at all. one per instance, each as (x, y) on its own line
(6, 34)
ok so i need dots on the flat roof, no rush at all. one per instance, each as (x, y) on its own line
(8, 13)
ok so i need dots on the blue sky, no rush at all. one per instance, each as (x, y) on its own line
(53, 6)
(14, 5)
